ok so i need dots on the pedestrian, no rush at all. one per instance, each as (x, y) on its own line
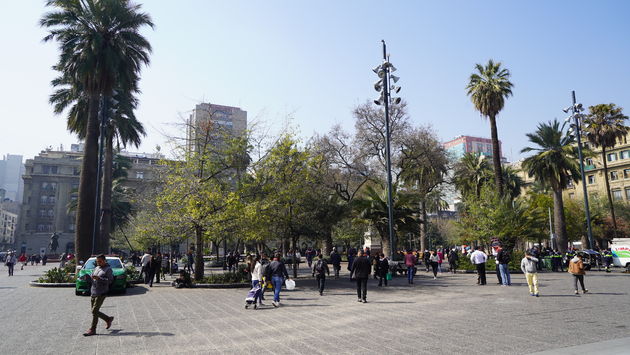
(191, 261)
(382, 269)
(528, 266)
(335, 259)
(278, 273)
(145, 263)
(608, 259)
(479, 258)
(425, 257)
(62, 260)
(10, 262)
(310, 253)
(101, 278)
(576, 268)
(230, 262)
(351, 253)
(164, 267)
(361, 271)
(410, 262)
(23, 260)
(453, 259)
(156, 267)
(320, 269)
(503, 257)
(264, 266)
(255, 268)
(44, 259)
(433, 261)
(440, 256)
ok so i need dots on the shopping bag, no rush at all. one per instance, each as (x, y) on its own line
(388, 276)
(290, 284)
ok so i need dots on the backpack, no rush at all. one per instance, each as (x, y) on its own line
(319, 267)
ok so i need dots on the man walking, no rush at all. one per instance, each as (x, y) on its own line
(156, 266)
(145, 262)
(101, 277)
(453, 258)
(10, 262)
(503, 257)
(335, 259)
(410, 262)
(361, 270)
(319, 271)
(528, 266)
(479, 258)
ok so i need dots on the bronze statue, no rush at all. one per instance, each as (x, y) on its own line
(53, 243)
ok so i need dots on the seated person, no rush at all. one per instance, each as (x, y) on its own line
(183, 280)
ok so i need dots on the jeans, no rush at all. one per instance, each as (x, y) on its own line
(481, 271)
(434, 267)
(577, 278)
(410, 274)
(277, 285)
(440, 267)
(532, 282)
(259, 293)
(498, 272)
(96, 303)
(336, 268)
(362, 288)
(321, 281)
(505, 274)
(10, 266)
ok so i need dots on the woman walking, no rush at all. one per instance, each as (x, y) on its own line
(256, 271)
(382, 268)
(440, 255)
(576, 268)
(433, 260)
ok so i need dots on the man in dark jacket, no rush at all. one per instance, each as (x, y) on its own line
(361, 269)
(335, 259)
(320, 269)
(453, 258)
(156, 268)
(278, 273)
(101, 278)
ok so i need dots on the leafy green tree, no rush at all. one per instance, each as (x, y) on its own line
(604, 126)
(553, 164)
(100, 49)
(472, 171)
(488, 88)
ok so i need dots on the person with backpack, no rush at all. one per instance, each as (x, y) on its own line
(335, 259)
(101, 278)
(361, 270)
(320, 269)
(503, 257)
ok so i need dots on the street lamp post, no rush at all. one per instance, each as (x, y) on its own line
(383, 86)
(576, 110)
(97, 200)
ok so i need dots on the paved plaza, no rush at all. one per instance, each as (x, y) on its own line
(449, 315)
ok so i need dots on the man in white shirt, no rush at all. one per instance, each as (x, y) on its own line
(479, 258)
(146, 259)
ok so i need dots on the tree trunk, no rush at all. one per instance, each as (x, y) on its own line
(609, 194)
(423, 226)
(328, 242)
(106, 196)
(198, 253)
(496, 155)
(387, 247)
(559, 221)
(295, 262)
(87, 184)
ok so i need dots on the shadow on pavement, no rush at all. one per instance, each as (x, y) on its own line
(137, 334)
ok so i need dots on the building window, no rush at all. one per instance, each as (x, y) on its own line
(612, 157)
(589, 161)
(71, 227)
(614, 175)
(625, 154)
(617, 195)
(139, 174)
(571, 195)
(626, 173)
(591, 179)
(42, 213)
(628, 193)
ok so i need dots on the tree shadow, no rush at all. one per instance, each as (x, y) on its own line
(120, 332)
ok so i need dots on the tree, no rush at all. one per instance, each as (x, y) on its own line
(100, 48)
(604, 125)
(488, 88)
(553, 164)
(472, 171)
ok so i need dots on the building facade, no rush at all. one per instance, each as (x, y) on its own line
(218, 119)
(51, 184)
(8, 223)
(11, 170)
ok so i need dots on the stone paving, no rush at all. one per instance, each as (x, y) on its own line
(444, 316)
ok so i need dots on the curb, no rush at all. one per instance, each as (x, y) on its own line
(241, 285)
(44, 284)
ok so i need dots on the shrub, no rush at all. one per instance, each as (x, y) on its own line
(71, 266)
(464, 262)
(132, 273)
(225, 278)
(56, 275)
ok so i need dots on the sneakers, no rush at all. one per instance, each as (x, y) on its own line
(321, 293)
(531, 294)
(364, 300)
(109, 322)
(536, 295)
(275, 304)
(359, 300)
(585, 291)
(577, 292)
(90, 332)
(434, 278)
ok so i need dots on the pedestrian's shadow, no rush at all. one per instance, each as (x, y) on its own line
(120, 332)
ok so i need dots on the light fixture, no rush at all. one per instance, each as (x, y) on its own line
(376, 69)
(394, 78)
(397, 100)
(378, 86)
(394, 89)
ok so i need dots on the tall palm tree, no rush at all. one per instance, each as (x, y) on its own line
(554, 164)
(513, 182)
(372, 207)
(604, 125)
(488, 88)
(100, 49)
(472, 171)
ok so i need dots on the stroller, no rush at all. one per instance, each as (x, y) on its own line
(252, 296)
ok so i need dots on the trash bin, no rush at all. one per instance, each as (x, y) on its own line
(547, 262)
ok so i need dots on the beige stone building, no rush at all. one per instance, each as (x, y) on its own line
(221, 119)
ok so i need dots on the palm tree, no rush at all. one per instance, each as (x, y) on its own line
(100, 49)
(472, 171)
(513, 182)
(488, 88)
(554, 164)
(604, 125)
(372, 207)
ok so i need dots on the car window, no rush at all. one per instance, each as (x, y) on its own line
(114, 263)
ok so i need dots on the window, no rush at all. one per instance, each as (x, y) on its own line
(49, 169)
(71, 227)
(139, 174)
(612, 157)
(626, 173)
(617, 195)
(591, 179)
(625, 154)
(42, 212)
(628, 193)
(589, 161)
(614, 175)
(76, 171)
(571, 195)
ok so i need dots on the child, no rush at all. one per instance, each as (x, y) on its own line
(528, 266)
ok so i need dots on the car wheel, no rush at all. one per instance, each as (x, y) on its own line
(78, 293)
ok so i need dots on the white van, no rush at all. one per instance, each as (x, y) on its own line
(620, 248)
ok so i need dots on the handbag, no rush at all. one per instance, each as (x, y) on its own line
(388, 277)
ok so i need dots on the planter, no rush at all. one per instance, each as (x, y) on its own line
(45, 284)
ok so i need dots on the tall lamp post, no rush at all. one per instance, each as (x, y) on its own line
(576, 114)
(383, 85)
(99, 170)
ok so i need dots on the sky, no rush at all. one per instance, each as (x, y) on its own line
(309, 63)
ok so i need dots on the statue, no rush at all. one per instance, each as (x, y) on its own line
(53, 243)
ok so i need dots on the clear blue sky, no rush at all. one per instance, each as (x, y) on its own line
(313, 60)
